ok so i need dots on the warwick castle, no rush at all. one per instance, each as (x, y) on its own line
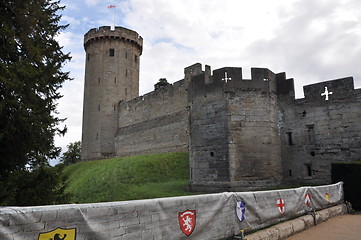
(241, 134)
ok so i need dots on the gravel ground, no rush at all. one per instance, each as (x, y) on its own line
(344, 227)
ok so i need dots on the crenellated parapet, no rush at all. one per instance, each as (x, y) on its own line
(119, 33)
(231, 79)
(337, 89)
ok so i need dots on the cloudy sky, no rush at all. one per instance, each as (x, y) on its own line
(310, 40)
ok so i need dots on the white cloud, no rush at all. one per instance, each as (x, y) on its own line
(93, 3)
(312, 45)
(70, 41)
(70, 20)
(70, 107)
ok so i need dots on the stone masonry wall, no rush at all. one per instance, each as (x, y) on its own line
(111, 75)
(154, 123)
(254, 139)
(254, 143)
(234, 141)
(209, 160)
(316, 132)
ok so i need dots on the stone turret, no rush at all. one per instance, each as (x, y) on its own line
(111, 75)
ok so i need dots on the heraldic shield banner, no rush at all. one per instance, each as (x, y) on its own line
(59, 234)
(187, 221)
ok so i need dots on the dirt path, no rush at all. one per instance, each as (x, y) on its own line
(344, 227)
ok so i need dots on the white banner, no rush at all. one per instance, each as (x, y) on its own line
(210, 216)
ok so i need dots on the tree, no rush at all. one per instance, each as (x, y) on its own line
(72, 155)
(31, 73)
(161, 83)
(42, 186)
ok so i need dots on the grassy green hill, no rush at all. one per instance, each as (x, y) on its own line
(130, 178)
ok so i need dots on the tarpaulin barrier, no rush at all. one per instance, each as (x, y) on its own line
(210, 216)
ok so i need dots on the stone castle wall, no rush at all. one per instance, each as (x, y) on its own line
(234, 141)
(253, 122)
(245, 134)
(316, 132)
(209, 157)
(240, 134)
(153, 123)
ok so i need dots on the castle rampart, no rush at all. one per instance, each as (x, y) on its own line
(316, 132)
(241, 134)
(153, 123)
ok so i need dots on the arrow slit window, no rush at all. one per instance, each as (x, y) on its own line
(111, 52)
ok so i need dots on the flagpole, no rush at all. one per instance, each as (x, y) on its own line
(114, 19)
(110, 7)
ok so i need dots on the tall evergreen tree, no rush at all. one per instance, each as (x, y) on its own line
(31, 73)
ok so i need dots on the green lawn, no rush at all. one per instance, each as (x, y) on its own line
(130, 178)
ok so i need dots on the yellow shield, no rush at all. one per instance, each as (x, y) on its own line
(59, 234)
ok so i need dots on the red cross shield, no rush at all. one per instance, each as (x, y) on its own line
(281, 205)
(187, 221)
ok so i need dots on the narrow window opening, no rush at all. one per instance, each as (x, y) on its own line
(135, 58)
(126, 91)
(290, 172)
(311, 133)
(111, 52)
(126, 54)
(309, 170)
(290, 140)
(88, 57)
(114, 107)
(211, 154)
(98, 81)
(99, 107)
(126, 72)
(115, 80)
(312, 153)
(96, 138)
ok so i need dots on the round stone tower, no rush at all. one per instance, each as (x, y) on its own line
(111, 75)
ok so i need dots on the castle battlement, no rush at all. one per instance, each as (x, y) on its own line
(336, 89)
(231, 79)
(120, 33)
(163, 93)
